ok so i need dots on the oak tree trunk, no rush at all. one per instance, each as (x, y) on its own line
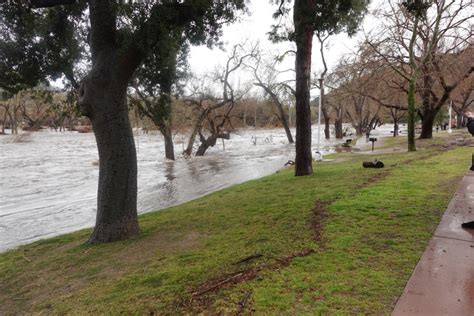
(168, 137)
(206, 143)
(103, 99)
(427, 124)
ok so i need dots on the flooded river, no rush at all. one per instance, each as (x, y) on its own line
(48, 183)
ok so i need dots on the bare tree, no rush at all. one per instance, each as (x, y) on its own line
(319, 84)
(213, 113)
(12, 113)
(35, 107)
(266, 77)
(352, 80)
(426, 45)
(462, 98)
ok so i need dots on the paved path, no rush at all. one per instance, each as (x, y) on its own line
(443, 280)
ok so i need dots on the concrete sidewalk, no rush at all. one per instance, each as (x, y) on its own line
(443, 280)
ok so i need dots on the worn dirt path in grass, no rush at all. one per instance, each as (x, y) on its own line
(443, 281)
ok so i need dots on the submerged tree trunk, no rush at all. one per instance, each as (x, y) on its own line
(102, 98)
(169, 146)
(282, 117)
(5, 115)
(210, 142)
(304, 41)
(192, 138)
(284, 121)
(168, 137)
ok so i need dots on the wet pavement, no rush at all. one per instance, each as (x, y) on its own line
(443, 281)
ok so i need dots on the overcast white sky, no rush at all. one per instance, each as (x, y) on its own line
(255, 28)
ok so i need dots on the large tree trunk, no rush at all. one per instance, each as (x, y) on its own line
(103, 99)
(304, 41)
(427, 124)
(168, 137)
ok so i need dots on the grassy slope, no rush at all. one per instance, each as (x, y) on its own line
(378, 223)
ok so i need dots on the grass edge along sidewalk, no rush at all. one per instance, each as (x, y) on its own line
(344, 240)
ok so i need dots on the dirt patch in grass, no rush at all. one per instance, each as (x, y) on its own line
(373, 179)
(201, 297)
(318, 219)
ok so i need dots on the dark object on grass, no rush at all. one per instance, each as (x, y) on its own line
(470, 128)
(289, 163)
(246, 259)
(373, 164)
(347, 143)
(470, 125)
(468, 225)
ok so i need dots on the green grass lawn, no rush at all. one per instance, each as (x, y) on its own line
(342, 241)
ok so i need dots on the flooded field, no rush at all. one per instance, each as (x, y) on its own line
(48, 182)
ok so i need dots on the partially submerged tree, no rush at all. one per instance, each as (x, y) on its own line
(265, 74)
(116, 52)
(207, 105)
(157, 80)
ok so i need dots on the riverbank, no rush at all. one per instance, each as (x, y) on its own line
(343, 240)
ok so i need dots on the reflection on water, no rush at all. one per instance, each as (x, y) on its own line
(48, 186)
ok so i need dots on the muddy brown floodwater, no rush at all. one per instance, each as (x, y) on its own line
(48, 182)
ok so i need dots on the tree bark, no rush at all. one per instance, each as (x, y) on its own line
(427, 124)
(210, 142)
(327, 122)
(304, 41)
(284, 121)
(282, 117)
(396, 129)
(460, 121)
(168, 137)
(411, 115)
(324, 109)
(102, 97)
(197, 127)
(338, 128)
